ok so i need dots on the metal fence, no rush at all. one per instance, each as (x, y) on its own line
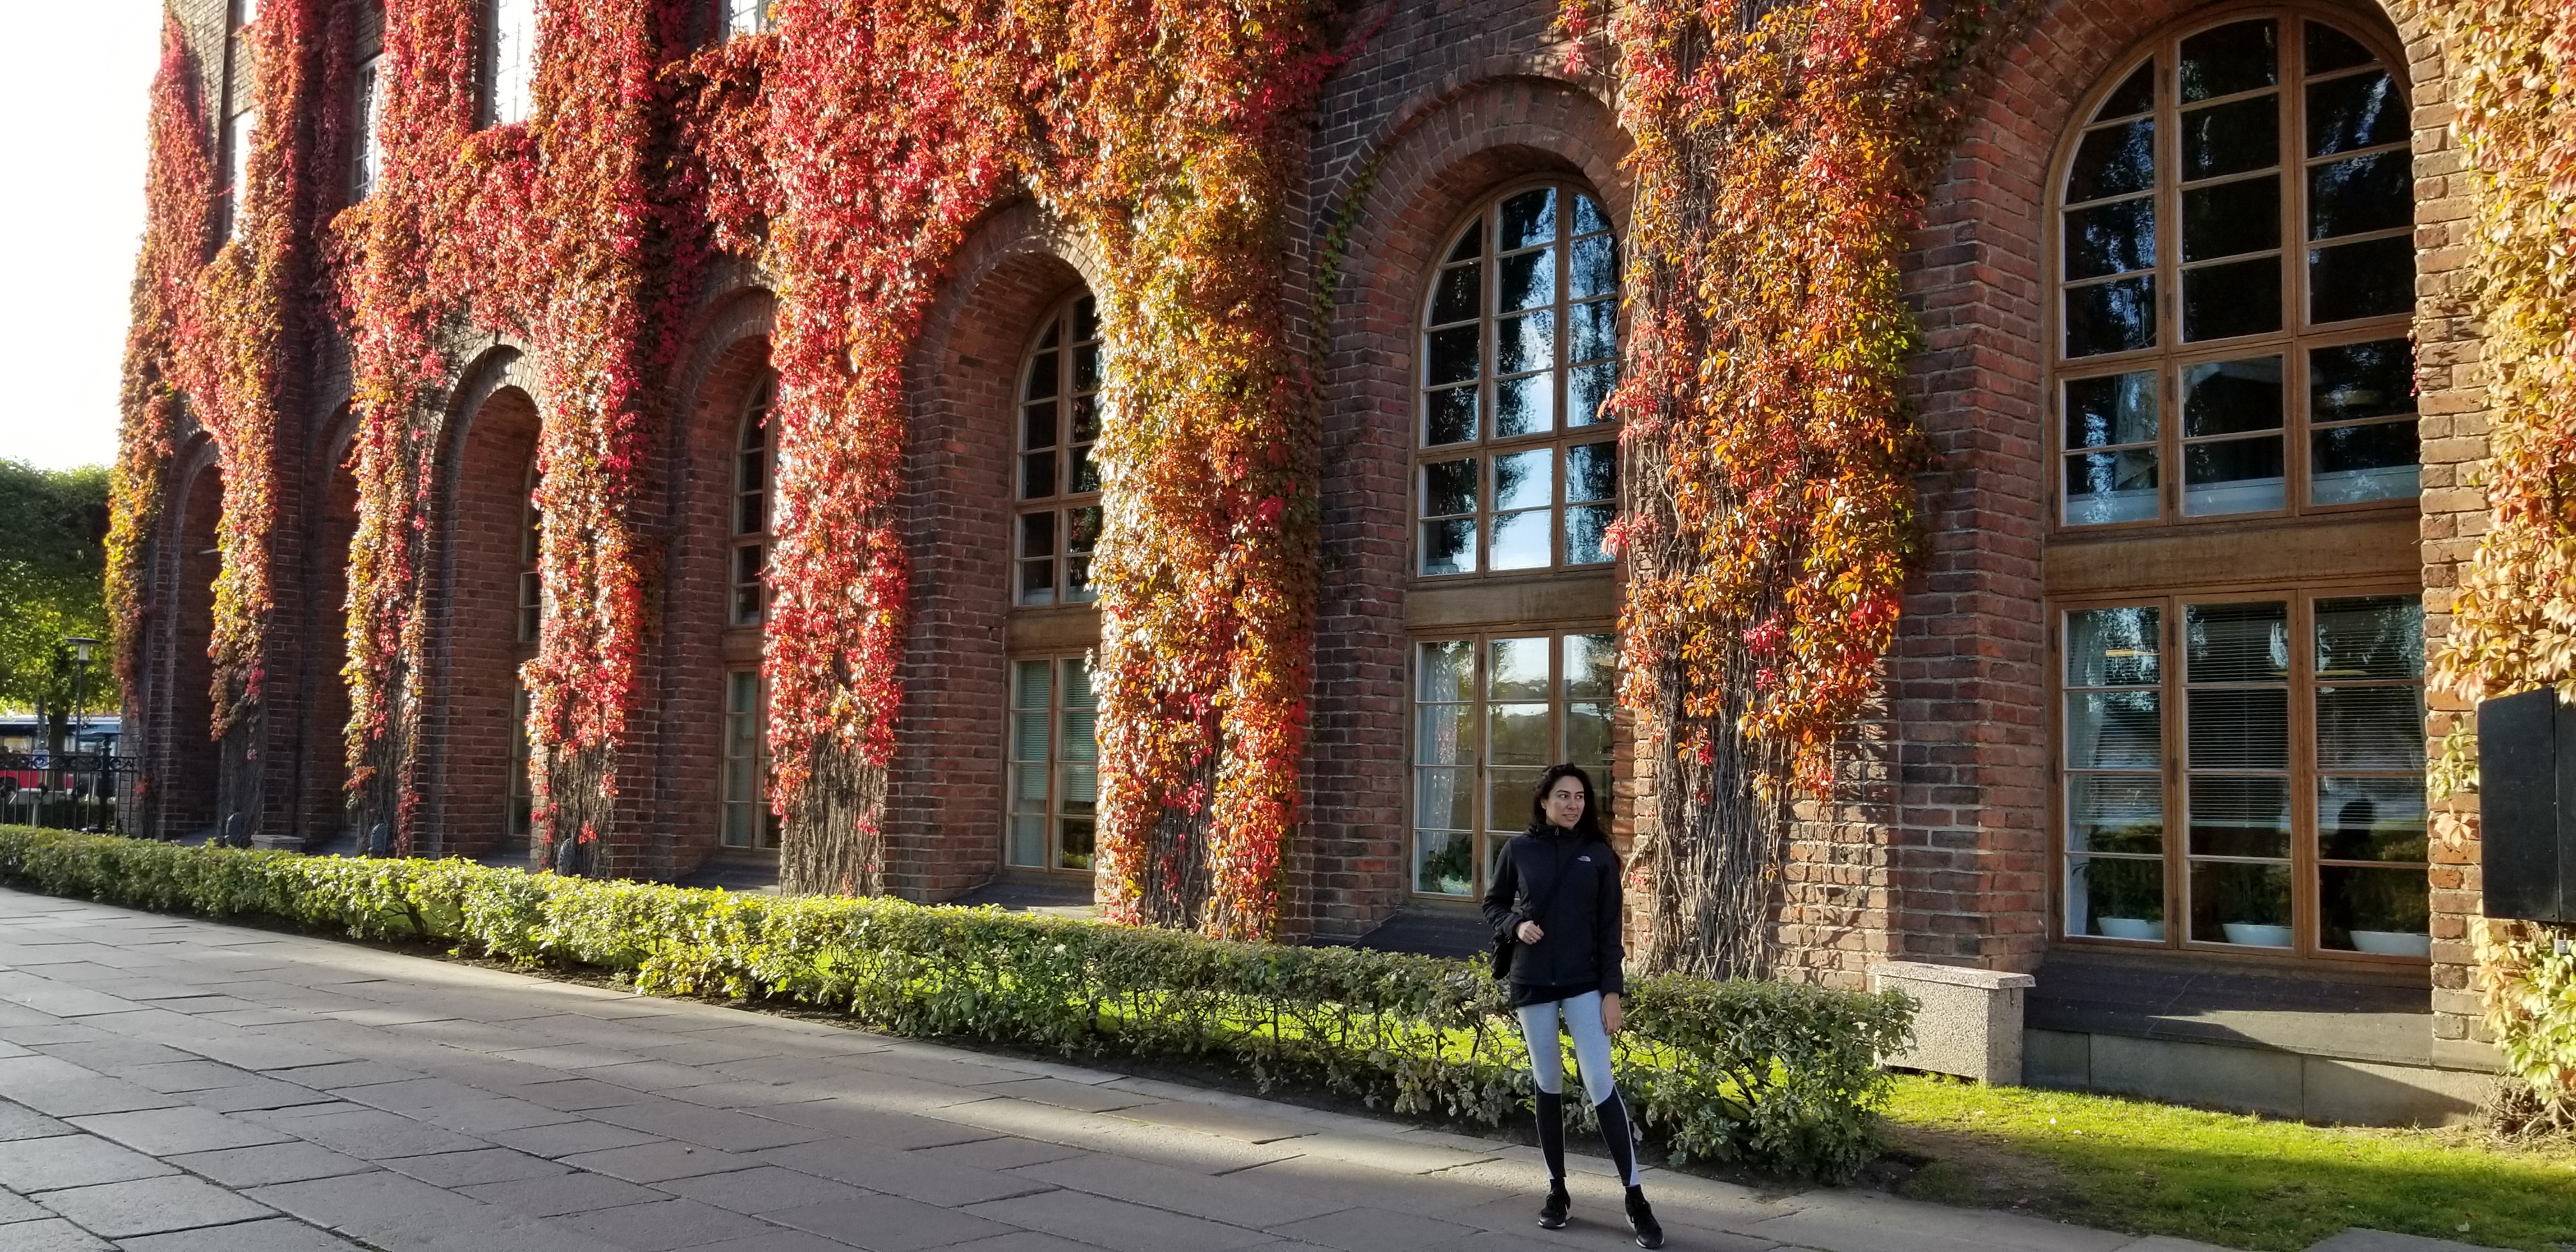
(68, 790)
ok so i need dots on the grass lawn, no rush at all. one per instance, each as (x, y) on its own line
(2223, 1178)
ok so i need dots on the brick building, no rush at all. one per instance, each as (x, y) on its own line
(2155, 726)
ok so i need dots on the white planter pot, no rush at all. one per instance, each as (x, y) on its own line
(2256, 936)
(2393, 942)
(2131, 928)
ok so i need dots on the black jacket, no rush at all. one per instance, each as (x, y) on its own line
(1581, 951)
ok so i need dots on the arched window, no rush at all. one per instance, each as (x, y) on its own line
(1058, 485)
(2241, 761)
(747, 821)
(531, 620)
(1515, 477)
(2238, 275)
(752, 464)
(1053, 750)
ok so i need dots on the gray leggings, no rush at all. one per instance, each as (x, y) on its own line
(1591, 1045)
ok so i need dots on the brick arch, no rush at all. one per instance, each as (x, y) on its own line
(331, 519)
(944, 802)
(696, 644)
(1964, 877)
(177, 706)
(1347, 872)
(471, 601)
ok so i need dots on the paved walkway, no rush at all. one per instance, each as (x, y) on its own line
(169, 1085)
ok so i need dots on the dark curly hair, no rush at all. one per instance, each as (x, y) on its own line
(1590, 825)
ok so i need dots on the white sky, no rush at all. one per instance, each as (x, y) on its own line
(75, 152)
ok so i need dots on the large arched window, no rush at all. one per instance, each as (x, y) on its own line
(1053, 749)
(748, 821)
(1515, 479)
(2241, 740)
(2237, 277)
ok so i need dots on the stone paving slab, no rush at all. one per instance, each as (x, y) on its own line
(172, 1085)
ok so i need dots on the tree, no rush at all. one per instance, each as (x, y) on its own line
(53, 524)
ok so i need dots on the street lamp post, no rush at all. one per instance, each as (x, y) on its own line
(81, 647)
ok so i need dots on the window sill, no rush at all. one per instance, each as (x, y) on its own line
(1060, 628)
(2273, 551)
(1547, 597)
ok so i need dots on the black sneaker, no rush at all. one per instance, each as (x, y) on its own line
(1641, 1219)
(1551, 1215)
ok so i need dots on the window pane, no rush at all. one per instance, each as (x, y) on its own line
(2115, 813)
(1471, 243)
(2232, 729)
(1037, 475)
(1445, 734)
(2356, 380)
(1595, 267)
(1450, 416)
(1595, 331)
(2114, 316)
(1086, 367)
(1592, 471)
(1449, 487)
(2135, 94)
(2113, 238)
(1529, 281)
(2363, 193)
(1029, 736)
(2329, 49)
(1527, 218)
(2236, 298)
(1524, 406)
(1449, 547)
(1518, 670)
(1458, 294)
(1031, 682)
(1520, 540)
(1444, 799)
(2231, 397)
(2231, 218)
(2113, 161)
(2351, 464)
(1037, 582)
(1587, 739)
(2375, 278)
(2239, 56)
(2370, 728)
(2106, 487)
(1081, 472)
(1028, 835)
(1451, 355)
(1521, 479)
(1043, 369)
(2370, 819)
(1517, 734)
(2233, 902)
(1591, 667)
(1587, 534)
(1447, 671)
(2362, 111)
(2113, 647)
(2119, 409)
(1587, 387)
(1444, 862)
(2234, 643)
(2374, 910)
(1037, 425)
(1588, 217)
(2115, 898)
(2114, 730)
(2233, 138)
(2233, 476)
(1508, 795)
(2239, 816)
(1084, 416)
(2371, 637)
(1075, 836)
(1523, 343)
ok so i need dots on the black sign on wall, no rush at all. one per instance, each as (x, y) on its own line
(2527, 806)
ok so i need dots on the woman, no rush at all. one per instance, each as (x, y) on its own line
(1556, 897)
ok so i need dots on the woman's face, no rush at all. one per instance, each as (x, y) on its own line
(1565, 802)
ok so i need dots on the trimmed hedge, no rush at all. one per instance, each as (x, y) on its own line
(1779, 1077)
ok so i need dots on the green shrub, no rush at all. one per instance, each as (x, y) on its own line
(1783, 1078)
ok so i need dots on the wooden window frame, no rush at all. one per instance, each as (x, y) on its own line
(1052, 854)
(1487, 447)
(764, 836)
(1487, 837)
(1055, 344)
(755, 482)
(531, 583)
(2170, 355)
(2173, 686)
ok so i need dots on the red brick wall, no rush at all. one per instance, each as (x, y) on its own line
(474, 612)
